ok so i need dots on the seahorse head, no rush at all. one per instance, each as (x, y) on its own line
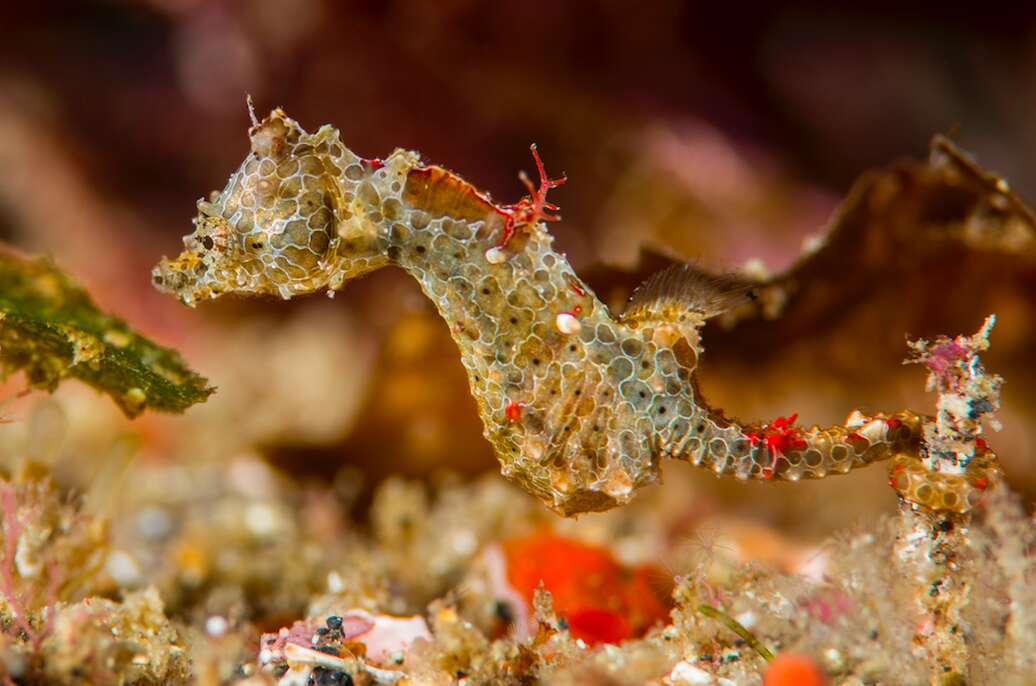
(283, 225)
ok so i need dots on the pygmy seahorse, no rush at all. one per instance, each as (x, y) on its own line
(579, 405)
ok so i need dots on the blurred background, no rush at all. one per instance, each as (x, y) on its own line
(713, 132)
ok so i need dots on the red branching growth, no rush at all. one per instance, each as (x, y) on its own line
(779, 436)
(16, 599)
(533, 208)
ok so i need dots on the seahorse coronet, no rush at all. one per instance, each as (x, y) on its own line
(601, 399)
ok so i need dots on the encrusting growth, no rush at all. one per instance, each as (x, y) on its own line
(579, 405)
(939, 492)
(956, 466)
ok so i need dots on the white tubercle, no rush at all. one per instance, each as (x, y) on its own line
(495, 255)
(567, 323)
(216, 625)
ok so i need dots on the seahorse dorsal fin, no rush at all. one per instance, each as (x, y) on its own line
(687, 295)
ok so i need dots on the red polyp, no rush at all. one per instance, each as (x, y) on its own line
(373, 164)
(534, 208)
(782, 436)
(894, 476)
(513, 411)
(779, 436)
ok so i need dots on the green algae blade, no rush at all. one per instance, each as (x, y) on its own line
(51, 329)
(739, 629)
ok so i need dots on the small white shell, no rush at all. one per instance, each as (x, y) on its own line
(567, 323)
(875, 431)
(496, 256)
(294, 653)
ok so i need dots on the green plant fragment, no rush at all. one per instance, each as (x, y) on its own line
(51, 329)
(739, 629)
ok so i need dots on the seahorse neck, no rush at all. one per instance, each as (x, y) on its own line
(495, 300)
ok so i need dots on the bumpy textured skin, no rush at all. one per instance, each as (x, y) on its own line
(580, 406)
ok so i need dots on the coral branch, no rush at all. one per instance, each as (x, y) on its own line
(939, 491)
(967, 395)
(956, 467)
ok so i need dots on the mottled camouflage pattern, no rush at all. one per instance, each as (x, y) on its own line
(579, 405)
